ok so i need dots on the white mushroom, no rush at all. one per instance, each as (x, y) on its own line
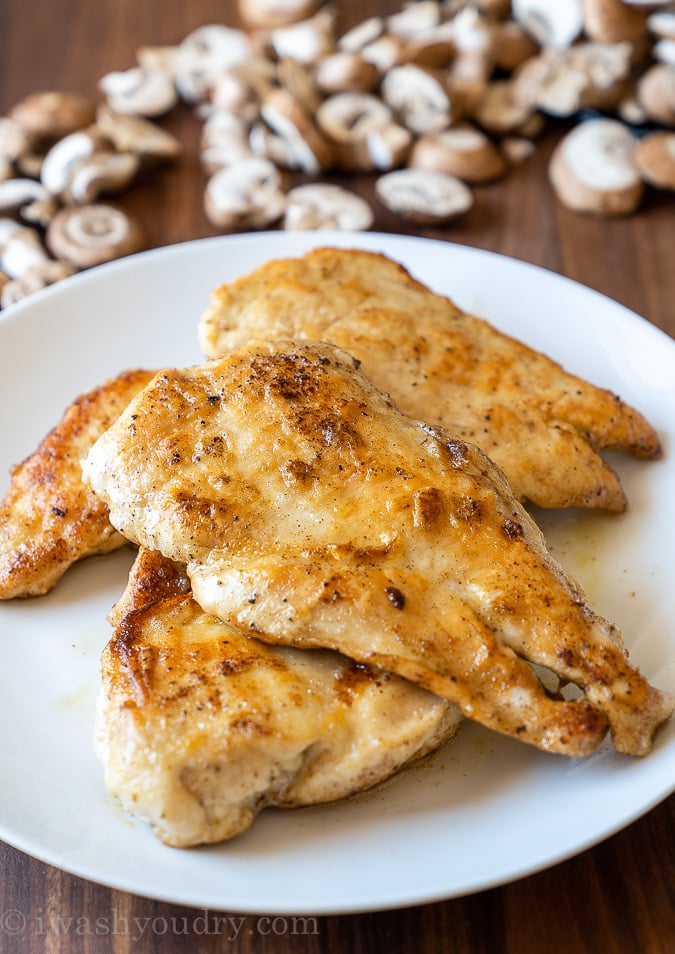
(101, 173)
(19, 193)
(654, 155)
(345, 72)
(423, 196)
(59, 162)
(135, 134)
(267, 14)
(52, 115)
(324, 206)
(552, 23)
(592, 169)
(309, 150)
(418, 98)
(245, 194)
(35, 278)
(14, 139)
(655, 92)
(20, 250)
(139, 91)
(203, 54)
(224, 139)
(307, 41)
(463, 151)
(89, 235)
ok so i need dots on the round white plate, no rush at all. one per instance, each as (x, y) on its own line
(484, 811)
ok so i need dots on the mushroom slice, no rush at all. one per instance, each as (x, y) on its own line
(102, 172)
(224, 139)
(139, 91)
(325, 206)
(654, 155)
(34, 279)
(501, 109)
(611, 21)
(347, 117)
(462, 151)
(18, 193)
(592, 169)
(423, 196)
(414, 19)
(52, 115)
(365, 32)
(298, 80)
(203, 54)
(245, 194)
(267, 14)
(309, 151)
(14, 139)
(58, 164)
(388, 146)
(344, 72)
(136, 134)
(21, 249)
(384, 53)
(89, 235)
(655, 92)
(418, 97)
(554, 25)
(307, 41)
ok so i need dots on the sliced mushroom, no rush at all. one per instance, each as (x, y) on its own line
(20, 250)
(103, 172)
(418, 98)
(298, 79)
(664, 52)
(654, 155)
(238, 90)
(34, 279)
(384, 53)
(57, 166)
(501, 110)
(324, 206)
(661, 23)
(414, 19)
(464, 152)
(89, 235)
(267, 14)
(655, 91)
(224, 139)
(344, 72)
(347, 119)
(511, 45)
(307, 41)
(19, 193)
(423, 196)
(387, 146)
(14, 139)
(245, 194)
(552, 24)
(52, 115)
(592, 169)
(203, 54)
(611, 21)
(517, 149)
(285, 117)
(139, 91)
(134, 134)
(365, 32)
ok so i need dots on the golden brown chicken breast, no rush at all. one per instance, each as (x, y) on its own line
(311, 512)
(542, 426)
(200, 726)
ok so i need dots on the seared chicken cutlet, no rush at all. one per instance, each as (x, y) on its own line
(542, 426)
(48, 518)
(311, 512)
(200, 726)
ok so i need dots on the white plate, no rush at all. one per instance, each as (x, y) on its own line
(484, 811)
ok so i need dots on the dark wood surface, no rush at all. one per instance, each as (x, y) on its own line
(615, 898)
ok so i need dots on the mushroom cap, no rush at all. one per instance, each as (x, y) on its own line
(53, 114)
(592, 169)
(326, 206)
(424, 196)
(268, 14)
(461, 151)
(654, 155)
(246, 194)
(89, 235)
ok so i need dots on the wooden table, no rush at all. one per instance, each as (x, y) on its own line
(618, 897)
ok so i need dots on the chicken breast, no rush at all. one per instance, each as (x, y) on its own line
(200, 726)
(48, 518)
(311, 512)
(542, 426)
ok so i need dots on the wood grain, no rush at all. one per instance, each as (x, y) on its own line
(616, 898)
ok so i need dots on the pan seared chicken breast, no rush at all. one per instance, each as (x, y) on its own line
(201, 726)
(310, 512)
(542, 426)
(48, 518)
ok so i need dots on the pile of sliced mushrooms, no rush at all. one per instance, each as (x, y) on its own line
(432, 100)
